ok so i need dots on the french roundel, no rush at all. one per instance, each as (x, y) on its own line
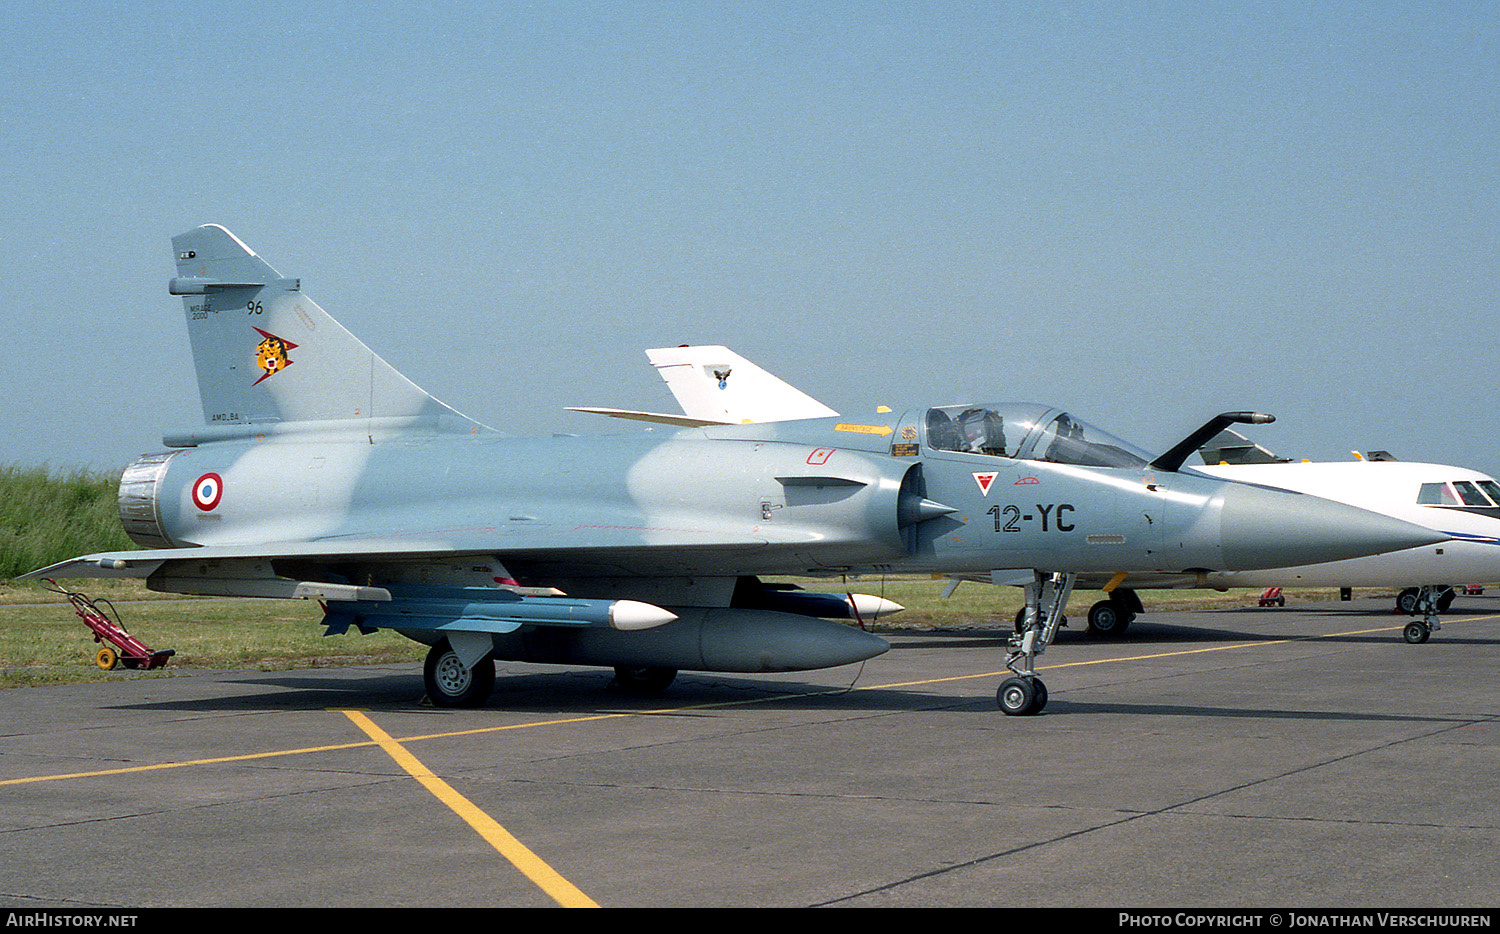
(207, 490)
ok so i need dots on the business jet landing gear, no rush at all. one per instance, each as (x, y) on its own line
(1407, 601)
(1046, 598)
(1427, 602)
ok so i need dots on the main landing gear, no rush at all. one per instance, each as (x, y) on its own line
(1111, 617)
(1046, 598)
(453, 683)
(1408, 600)
(1108, 619)
(1426, 602)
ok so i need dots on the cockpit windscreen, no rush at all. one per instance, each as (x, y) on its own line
(1027, 432)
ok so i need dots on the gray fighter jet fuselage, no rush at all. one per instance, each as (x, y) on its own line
(815, 497)
(322, 472)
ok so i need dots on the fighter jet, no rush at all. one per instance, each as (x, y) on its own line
(1461, 504)
(322, 472)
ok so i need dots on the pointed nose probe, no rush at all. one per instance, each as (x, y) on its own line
(1266, 528)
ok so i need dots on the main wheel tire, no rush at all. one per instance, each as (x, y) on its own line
(1446, 600)
(451, 683)
(1108, 618)
(1406, 601)
(1017, 697)
(642, 680)
(1416, 633)
(107, 658)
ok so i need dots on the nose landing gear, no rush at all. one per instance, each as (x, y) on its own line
(1046, 598)
(1427, 602)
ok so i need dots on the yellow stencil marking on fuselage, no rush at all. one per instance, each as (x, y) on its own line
(864, 429)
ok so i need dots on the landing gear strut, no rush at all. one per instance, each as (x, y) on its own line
(1046, 598)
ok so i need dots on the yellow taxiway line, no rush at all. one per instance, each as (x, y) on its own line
(563, 721)
(532, 866)
(547, 879)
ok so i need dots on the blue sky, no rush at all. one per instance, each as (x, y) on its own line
(1146, 213)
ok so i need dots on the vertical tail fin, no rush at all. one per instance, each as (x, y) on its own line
(718, 385)
(266, 353)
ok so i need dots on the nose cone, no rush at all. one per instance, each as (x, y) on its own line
(869, 606)
(1265, 528)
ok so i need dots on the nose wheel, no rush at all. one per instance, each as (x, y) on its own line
(1021, 697)
(1416, 632)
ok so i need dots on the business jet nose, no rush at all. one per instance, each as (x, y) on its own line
(1266, 528)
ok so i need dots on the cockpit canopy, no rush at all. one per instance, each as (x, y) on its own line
(1027, 431)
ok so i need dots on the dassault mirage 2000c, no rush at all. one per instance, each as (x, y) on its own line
(715, 385)
(322, 472)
